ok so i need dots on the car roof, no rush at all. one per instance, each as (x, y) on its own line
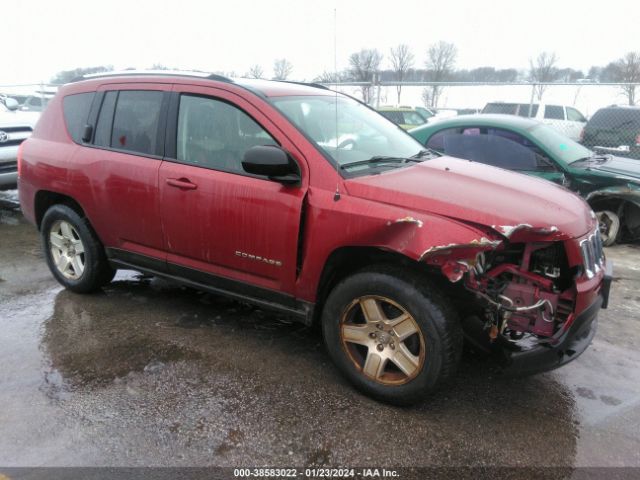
(481, 119)
(266, 88)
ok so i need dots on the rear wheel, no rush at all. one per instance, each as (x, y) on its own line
(74, 254)
(609, 225)
(392, 335)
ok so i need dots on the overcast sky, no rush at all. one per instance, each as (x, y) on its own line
(41, 38)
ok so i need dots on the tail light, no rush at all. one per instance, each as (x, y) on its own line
(20, 158)
(638, 140)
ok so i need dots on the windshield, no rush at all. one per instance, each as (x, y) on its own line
(560, 146)
(346, 130)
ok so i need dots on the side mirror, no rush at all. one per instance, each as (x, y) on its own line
(273, 162)
(11, 103)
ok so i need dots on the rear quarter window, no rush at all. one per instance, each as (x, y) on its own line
(76, 111)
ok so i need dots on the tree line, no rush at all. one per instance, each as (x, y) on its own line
(438, 65)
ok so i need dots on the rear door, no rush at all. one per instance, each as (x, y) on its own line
(223, 226)
(127, 151)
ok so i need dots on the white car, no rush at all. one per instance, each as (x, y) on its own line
(15, 127)
(567, 120)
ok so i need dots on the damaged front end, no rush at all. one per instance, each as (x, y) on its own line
(533, 294)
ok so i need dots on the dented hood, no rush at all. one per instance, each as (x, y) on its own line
(480, 194)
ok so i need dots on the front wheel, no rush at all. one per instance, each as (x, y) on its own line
(609, 225)
(74, 253)
(392, 334)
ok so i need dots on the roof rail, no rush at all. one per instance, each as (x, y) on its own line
(173, 73)
(306, 84)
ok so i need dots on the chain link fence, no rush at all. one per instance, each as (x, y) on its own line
(597, 115)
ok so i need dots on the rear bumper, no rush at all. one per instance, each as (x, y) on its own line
(568, 346)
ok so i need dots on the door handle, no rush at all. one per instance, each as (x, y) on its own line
(182, 183)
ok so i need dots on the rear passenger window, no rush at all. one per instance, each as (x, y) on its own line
(215, 134)
(76, 110)
(554, 112)
(528, 110)
(135, 121)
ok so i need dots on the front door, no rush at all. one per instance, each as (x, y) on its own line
(217, 219)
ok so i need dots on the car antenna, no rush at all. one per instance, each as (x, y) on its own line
(335, 77)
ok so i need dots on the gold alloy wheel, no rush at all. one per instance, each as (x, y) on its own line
(382, 339)
(67, 250)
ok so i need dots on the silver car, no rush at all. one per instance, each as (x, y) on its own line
(15, 126)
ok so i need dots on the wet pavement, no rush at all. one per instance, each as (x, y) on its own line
(149, 373)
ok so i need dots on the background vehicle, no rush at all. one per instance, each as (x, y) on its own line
(567, 120)
(610, 184)
(35, 103)
(15, 126)
(405, 117)
(614, 130)
(254, 189)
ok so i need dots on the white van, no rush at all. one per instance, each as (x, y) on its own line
(563, 118)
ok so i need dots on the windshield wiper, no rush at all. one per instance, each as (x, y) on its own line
(596, 157)
(375, 160)
(381, 159)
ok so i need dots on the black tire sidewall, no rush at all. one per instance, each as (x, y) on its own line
(95, 263)
(426, 309)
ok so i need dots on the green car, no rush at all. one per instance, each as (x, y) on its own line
(611, 185)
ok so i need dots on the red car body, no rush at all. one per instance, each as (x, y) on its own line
(282, 246)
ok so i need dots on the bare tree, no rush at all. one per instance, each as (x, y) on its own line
(543, 69)
(402, 62)
(627, 70)
(441, 59)
(328, 77)
(282, 68)
(364, 65)
(255, 72)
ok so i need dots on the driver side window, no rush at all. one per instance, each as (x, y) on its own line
(214, 134)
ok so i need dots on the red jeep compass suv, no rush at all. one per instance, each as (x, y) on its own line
(300, 199)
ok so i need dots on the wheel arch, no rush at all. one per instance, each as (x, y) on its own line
(623, 201)
(45, 199)
(346, 260)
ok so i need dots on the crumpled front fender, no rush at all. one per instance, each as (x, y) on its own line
(629, 193)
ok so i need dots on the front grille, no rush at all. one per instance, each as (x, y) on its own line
(12, 136)
(592, 254)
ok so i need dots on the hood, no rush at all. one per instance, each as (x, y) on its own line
(480, 194)
(18, 119)
(625, 167)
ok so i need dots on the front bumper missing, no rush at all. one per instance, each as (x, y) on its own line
(568, 347)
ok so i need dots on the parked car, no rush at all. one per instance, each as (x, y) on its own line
(266, 192)
(610, 184)
(567, 120)
(405, 117)
(614, 130)
(15, 126)
(453, 112)
(425, 112)
(35, 103)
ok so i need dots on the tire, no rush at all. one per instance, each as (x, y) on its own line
(391, 293)
(74, 253)
(609, 224)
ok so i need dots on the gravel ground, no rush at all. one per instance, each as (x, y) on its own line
(150, 374)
